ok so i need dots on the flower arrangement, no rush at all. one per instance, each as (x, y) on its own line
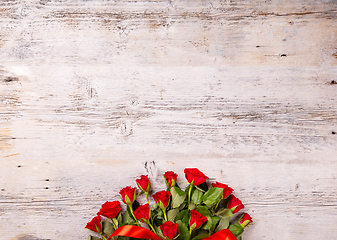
(197, 213)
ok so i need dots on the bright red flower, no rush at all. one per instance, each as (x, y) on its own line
(128, 195)
(162, 198)
(193, 174)
(142, 213)
(197, 219)
(170, 178)
(169, 229)
(245, 220)
(226, 190)
(110, 209)
(95, 224)
(144, 183)
(235, 204)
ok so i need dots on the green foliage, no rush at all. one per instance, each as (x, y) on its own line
(183, 231)
(197, 196)
(178, 197)
(212, 196)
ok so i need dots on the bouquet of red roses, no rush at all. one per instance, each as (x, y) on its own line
(199, 212)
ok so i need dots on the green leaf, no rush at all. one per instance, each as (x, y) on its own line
(223, 224)
(197, 196)
(127, 218)
(208, 224)
(178, 190)
(120, 218)
(107, 227)
(171, 215)
(215, 220)
(211, 223)
(200, 236)
(203, 210)
(182, 206)
(225, 212)
(182, 216)
(212, 196)
(182, 231)
(159, 232)
(236, 229)
(178, 196)
(94, 238)
(191, 206)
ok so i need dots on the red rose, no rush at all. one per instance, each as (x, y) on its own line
(195, 176)
(235, 204)
(128, 195)
(95, 224)
(226, 190)
(162, 198)
(245, 220)
(169, 229)
(170, 178)
(196, 219)
(144, 183)
(142, 213)
(110, 209)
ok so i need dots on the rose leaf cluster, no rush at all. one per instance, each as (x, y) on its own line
(191, 214)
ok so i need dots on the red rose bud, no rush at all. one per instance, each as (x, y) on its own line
(195, 176)
(226, 190)
(196, 219)
(245, 220)
(95, 224)
(162, 198)
(144, 183)
(235, 204)
(110, 209)
(170, 178)
(128, 195)
(169, 229)
(142, 213)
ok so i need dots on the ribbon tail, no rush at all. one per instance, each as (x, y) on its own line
(224, 234)
(134, 232)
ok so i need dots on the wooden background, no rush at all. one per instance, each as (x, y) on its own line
(95, 93)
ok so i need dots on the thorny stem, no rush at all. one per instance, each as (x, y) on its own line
(150, 225)
(131, 210)
(165, 216)
(147, 197)
(189, 191)
(115, 227)
(103, 236)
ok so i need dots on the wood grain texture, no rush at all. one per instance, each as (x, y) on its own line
(95, 93)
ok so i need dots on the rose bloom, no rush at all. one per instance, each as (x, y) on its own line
(169, 229)
(110, 209)
(142, 212)
(162, 198)
(128, 195)
(194, 174)
(245, 220)
(226, 190)
(235, 204)
(197, 219)
(170, 178)
(95, 224)
(144, 183)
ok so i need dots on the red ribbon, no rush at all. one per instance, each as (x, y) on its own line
(140, 232)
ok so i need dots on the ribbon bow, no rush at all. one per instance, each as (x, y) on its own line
(140, 232)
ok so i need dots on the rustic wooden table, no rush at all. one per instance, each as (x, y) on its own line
(95, 93)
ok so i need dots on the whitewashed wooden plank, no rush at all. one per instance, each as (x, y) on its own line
(93, 92)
